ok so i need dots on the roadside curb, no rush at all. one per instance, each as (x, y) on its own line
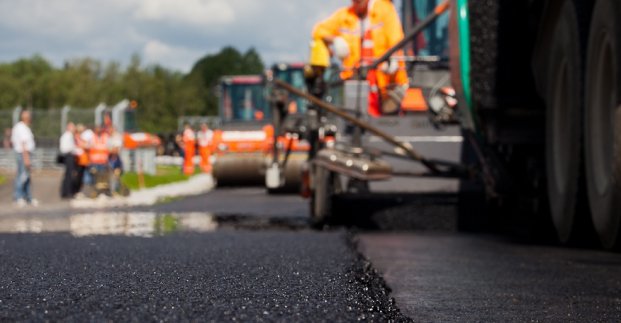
(197, 184)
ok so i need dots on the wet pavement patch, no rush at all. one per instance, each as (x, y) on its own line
(142, 224)
(254, 222)
(145, 223)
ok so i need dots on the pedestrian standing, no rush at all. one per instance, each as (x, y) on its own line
(23, 143)
(115, 164)
(204, 138)
(98, 154)
(68, 150)
(86, 140)
(189, 143)
(81, 158)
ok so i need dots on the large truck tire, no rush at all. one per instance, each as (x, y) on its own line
(603, 122)
(564, 123)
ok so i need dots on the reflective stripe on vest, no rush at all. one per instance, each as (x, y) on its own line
(98, 154)
(188, 135)
(367, 46)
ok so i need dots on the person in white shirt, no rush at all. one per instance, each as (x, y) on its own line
(23, 143)
(68, 150)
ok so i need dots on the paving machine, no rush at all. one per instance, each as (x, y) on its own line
(348, 147)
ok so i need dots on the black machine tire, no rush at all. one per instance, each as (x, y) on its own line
(327, 184)
(564, 124)
(603, 122)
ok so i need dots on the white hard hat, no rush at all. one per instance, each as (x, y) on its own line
(340, 47)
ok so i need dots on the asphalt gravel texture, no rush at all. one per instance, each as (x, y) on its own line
(447, 277)
(227, 275)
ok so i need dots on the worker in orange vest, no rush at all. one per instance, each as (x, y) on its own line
(373, 25)
(189, 143)
(205, 137)
(98, 151)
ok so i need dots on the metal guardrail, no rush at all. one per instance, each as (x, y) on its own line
(42, 158)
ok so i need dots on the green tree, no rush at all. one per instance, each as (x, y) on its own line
(162, 95)
(229, 61)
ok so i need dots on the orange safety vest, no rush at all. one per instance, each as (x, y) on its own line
(82, 156)
(98, 153)
(188, 143)
(367, 59)
(384, 31)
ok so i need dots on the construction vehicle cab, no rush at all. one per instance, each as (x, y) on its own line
(240, 143)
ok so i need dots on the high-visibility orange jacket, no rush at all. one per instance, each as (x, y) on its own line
(98, 153)
(385, 28)
(189, 135)
(204, 137)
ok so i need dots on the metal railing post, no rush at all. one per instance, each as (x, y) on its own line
(16, 113)
(64, 118)
(98, 117)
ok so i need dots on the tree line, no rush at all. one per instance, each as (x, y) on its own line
(162, 94)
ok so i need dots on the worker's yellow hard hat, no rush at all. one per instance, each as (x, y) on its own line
(319, 54)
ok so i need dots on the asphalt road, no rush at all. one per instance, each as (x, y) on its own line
(159, 265)
(245, 276)
(240, 254)
(440, 277)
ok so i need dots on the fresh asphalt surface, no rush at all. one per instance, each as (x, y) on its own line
(276, 273)
(244, 276)
(191, 260)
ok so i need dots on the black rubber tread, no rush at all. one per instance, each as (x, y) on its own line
(568, 204)
(605, 206)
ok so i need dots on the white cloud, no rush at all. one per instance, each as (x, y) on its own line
(194, 12)
(180, 58)
(64, 19)
(171, 33)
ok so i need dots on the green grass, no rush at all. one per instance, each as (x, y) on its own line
(163, 175)
(2, 179)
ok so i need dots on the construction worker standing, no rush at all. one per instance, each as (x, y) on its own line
(98, 153)
(189, 143)
(358, 35)
(205, 137)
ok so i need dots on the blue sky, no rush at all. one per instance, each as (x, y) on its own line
(173, 33)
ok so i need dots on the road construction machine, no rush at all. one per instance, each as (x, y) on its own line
(537, 86)
(240, 142)
(539, 83)
(289, 150)
(246, 141)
